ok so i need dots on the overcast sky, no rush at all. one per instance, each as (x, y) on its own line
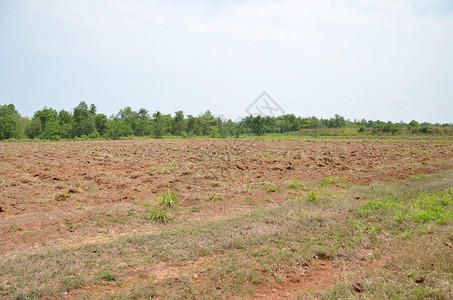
(373, 59)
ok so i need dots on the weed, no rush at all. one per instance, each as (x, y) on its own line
(249, 200)
(272, 189)
(268, 199)
(418, 176)
(266, 154)
(172, 164)
(80, 205)
(313, 196)
(328, 180)
(160, 215)
(106, 276)
(296, 184)
(196, 209)
(215, 196)
(168, 199)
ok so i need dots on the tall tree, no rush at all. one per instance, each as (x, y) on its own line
(258, 123)
(84, 123)
(9, 122)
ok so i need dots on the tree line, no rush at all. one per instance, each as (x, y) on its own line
(85, 122)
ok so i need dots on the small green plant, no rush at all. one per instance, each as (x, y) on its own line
(196, 209)
(272, 189)
(249, 200)
(215, 196)
(106, 276)
(172, 164)
(418, 176)
(268, 199)
(328, 180)
(80, 205)
(160, 215)
(313, 196)
(168, 199)
(266, 154)
(296, 184)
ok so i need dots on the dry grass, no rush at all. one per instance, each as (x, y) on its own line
(396, 244)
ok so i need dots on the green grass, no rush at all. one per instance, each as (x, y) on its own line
(334, 180)
(422, 207)
(215, 196)
(272, 189)
(296, 184)
(160, 212)
(313, 196)
(168, 199)
(160, 215)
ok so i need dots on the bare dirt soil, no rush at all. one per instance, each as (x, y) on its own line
(58, 194)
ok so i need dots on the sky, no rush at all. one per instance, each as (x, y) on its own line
(372, 59)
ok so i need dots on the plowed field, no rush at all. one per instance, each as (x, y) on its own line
(59, 194)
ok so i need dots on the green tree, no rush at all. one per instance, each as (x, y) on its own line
(206, 122)
(158, 125)
(116, 129)
(84, 123)
(142, 125)
(44, 124)
(258, 123)
(52, 131)
(9, 122)
(179, 123)
(66, 124)
(194, 126)
(413, 124)
(101, 122)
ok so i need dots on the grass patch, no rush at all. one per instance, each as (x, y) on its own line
(297, 184)
(215, 196)
(272, 189)
(313, 196)
(421, 207)
(168, 199)
(334, 180)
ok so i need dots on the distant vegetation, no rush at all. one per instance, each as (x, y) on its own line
(84, 122)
